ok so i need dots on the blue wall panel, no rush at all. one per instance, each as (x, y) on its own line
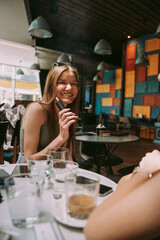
(152, 86)
(109, 77)
(138, 99)
(155, 111)
(107, 109)
(118, 93)
(99, 96)
(128, 107)
(140, 87)
(98, 108)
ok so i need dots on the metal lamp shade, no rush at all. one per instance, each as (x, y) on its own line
(142, 60)
(158, 32)
(103, 48)
(102, 67)
(96, 77)
(64, 59)
(35, 67)
(19, 72)
(40, 28)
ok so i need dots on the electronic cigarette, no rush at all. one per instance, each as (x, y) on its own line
(59, 104)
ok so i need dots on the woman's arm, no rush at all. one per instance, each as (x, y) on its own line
(128, 214)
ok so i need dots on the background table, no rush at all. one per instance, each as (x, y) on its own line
(111, 142)
(63, 232)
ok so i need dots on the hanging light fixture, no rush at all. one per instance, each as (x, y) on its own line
(102, 67)
(40, 28)
(97, 77)
(142, 60)
(157, 34)
(64, 59)
(20, 71)
(35, 66)
(103, 48)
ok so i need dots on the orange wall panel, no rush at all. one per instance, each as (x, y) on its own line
(107, 102)
(119, 79)
(130, 84)
(131, 52)
(152, 44)
(154, 65)
(116, 101)
(141, 74)
(144, 110)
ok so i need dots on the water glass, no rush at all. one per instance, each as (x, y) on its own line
(38, 161)
(24, 196)
(41, 164)
(61, 168)
(58, 153)
(81, 193)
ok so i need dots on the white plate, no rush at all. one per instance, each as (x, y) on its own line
(60, 214)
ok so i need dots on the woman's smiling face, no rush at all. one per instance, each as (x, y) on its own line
(67, 87)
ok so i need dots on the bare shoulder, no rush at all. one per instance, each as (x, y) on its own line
(35, 111)
(36, 108)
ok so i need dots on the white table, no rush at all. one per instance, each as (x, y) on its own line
(63, 232)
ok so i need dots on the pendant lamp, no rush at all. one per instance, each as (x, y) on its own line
(158, 32)
(35, 67)
(40, 28)
(97, 77)
(103, 67)
(142, 60)
(103, 48)
(19, 72)
(64, 59)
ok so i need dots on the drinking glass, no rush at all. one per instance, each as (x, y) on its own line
(41, 164)
(61, 166)
(58, 153)
(23, 194)
(81, 196)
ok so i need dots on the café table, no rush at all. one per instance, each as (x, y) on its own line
(111, 143)
(48, 228)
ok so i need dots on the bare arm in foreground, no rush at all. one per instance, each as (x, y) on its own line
(133, 211)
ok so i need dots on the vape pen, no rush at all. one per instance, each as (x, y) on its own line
(59, 104)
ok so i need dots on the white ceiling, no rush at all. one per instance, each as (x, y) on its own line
(15, 43)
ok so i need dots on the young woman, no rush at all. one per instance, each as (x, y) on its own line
(43, 124)
(133, 210)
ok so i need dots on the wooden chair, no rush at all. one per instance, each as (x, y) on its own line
(3, 131)
(112, 122)
(124, 124)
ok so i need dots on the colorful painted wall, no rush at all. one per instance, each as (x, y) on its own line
(142, 89)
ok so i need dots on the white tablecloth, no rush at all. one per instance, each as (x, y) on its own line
(49, 225)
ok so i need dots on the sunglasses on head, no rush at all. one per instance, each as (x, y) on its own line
(60, 64)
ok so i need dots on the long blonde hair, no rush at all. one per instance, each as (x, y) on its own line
(49, 98)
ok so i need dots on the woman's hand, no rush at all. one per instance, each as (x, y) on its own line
(151, 161)
(66, 119)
